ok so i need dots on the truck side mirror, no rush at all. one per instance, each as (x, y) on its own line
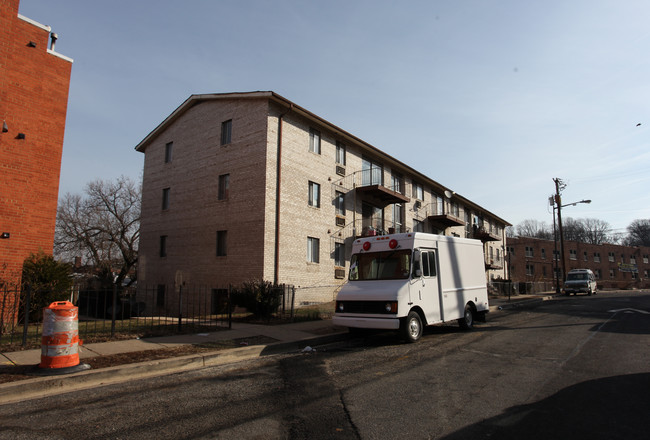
(418, 273)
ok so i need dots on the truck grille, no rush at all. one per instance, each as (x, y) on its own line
(370, 307)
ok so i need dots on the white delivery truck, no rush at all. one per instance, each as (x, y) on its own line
(407, 281)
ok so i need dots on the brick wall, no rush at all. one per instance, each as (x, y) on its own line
(249, 215)
(538, 264)
(33, 101)
(195, 213)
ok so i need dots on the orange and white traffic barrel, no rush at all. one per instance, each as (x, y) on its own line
(60, 339)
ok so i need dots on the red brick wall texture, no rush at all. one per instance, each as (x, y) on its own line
(34, 85)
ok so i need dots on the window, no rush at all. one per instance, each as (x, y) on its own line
(573, 254)
(313, 249)
(398, 217)
(529, 252)
(455, 210)
(596, 257)
(339, 203)
(372, 219)
(224, 186)
(543, 254)
(340, 153)
(387, 265)
(437, 204)
(222, 238)
(622, 258)
(314, 141)
(165, 199)
(428, 263)
(163, 246)
(418, 226)
(530, 270)
(632, 259)
(610, 257)
(584, 256)
(168, 151)
(645, 259)
(611, 273)
(418, 191)
(598, 274)
(339, 254)
(314, 194)
(226, 132)
(397, 183)
(372, 173)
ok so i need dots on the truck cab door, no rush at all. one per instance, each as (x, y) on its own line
(424, 289)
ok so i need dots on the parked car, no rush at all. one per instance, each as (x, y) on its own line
(580, 281)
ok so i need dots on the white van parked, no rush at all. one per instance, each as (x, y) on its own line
(407, 281)
(580, 280)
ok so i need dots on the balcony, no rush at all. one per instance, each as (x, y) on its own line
(445, 220)
(369, 184)
(485, 235)
(381, 194)
(493, 263)
(445, 215)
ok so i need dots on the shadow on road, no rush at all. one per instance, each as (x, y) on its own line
(610, 408)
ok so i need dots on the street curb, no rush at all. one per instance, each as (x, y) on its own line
(523, 302)
(45, 386)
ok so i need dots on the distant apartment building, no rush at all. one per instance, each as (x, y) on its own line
(242, 186)
(615, 266)
(34, 82)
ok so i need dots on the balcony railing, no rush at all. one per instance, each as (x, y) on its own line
(370, 183)
(445, 214)
(493, 262)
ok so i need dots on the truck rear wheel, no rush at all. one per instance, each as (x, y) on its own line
(411, 328)
(467, 321)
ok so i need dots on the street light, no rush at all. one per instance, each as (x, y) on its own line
(558, 204)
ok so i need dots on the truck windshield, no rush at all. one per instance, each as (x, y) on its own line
(576, 276)
(388, 265)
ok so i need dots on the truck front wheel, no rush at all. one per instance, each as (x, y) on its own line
(411, 327)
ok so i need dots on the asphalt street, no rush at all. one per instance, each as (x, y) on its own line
(576, 367)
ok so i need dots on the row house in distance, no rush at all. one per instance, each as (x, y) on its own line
(615, 266)
(242, 186)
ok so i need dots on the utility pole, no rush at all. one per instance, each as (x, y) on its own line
(559, 186)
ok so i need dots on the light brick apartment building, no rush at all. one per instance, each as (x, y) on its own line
(34, 83)
(242, 186)
(615, 266)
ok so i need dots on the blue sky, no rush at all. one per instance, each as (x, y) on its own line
(492, 99)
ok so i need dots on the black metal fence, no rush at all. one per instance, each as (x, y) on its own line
(119, 313)
(134, 311)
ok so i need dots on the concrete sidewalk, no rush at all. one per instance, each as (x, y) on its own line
(280, 333)
(288, 337)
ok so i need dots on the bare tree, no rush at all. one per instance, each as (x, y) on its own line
(103, 227)
(573, 230)
(534, 229)
(638, 233)
(597, 231)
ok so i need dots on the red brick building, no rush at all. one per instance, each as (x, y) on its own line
(34, 83)
(615, 266)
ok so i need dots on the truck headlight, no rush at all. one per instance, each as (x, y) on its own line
(340, 307)
(391, 307)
